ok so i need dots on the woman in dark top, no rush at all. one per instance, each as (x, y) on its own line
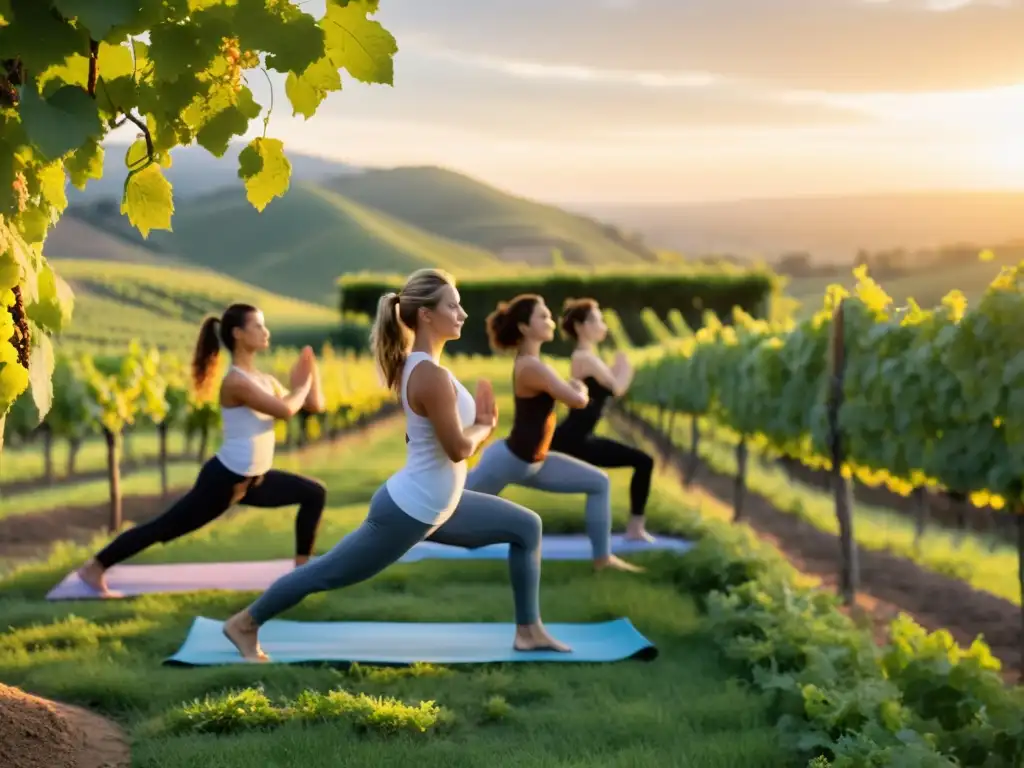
(524, 457)
(582, 321)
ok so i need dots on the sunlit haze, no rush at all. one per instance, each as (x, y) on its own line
(664, 100)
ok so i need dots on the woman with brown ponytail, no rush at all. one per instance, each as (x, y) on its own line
(425, 499)
(583, 323)
(241, 470)
(524, 457)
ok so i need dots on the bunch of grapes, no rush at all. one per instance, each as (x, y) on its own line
(20, 187)
(237, 61)
(21, 340)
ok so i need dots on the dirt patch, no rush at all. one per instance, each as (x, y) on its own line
(38, 733)
(889, 584)
(30, 536)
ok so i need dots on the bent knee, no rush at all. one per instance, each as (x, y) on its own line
(599, 482)
(316, 493)
(645, 463)
(530, 529)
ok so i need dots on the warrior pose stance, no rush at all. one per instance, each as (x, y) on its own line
(241, 470)
(524, 458)
(425, 499)
(582, 321)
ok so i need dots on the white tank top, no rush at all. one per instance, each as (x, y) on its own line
(247, 447)
(429, 486)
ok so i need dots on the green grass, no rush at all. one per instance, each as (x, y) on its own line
(966, 556)
(682, 709)
(461, 208)
(115, 303)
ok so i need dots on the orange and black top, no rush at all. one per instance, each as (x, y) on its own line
(533, 426)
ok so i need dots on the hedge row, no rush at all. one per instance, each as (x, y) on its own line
(629, 293)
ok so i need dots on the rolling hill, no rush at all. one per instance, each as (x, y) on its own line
(116, 302)
(829, 228)
(455, 206)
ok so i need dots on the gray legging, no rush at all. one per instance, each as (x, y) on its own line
(558, 473)
(388, 533)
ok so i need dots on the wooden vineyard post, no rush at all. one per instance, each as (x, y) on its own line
(1018, 510)
(739, 491)
(113, 441)
(849, 571)
(694, 459)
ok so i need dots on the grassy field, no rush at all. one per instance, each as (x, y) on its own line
(115, 303)
(683, 708)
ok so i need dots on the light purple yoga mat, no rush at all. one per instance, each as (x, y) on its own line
(256, 576)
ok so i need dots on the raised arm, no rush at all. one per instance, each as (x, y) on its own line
(431, 388)
(541, 377)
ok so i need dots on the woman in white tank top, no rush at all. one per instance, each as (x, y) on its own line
(241, 471)
(426, 498)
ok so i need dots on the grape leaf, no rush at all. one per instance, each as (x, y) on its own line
(40, 38)
(52, 181)
(33, 223)
(56, 302)
(176, 49)
(61, 123)
(307, 91)
(360, 45)
(86, 163)
(13, 377)
(265, 170)
(230, 121)
(290, 37)
(5, 16)
(148, 200)
(10, 272)
(40, 373)
(97, 17)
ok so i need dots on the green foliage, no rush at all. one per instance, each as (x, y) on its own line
(250, 709)
(839, 699)
(628, 292)
(71, 71)
(930, 396)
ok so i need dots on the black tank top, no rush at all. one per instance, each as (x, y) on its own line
(580, 422)
(533, 426)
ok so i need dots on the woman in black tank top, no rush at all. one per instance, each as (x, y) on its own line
(582, 321)
(525, 457)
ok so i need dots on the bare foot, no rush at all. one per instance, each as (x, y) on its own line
(617, 564)
(243, 633)
(301, 560)
(94, 576)
(635, 531)
(534, 637)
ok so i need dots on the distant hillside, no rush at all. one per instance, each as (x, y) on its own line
(116, 302)
(78, 238)
(455, 206)
(195, 172)
(831, 229)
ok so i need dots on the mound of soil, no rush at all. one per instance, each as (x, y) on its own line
(38, 733)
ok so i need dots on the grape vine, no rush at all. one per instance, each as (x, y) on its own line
(932, 398)
(72, 71)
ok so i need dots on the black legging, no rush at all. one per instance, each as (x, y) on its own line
(610, 454)
(215, 491)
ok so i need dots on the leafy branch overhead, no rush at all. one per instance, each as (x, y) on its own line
(72, 71)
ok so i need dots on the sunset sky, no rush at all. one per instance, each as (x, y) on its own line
(673, 100)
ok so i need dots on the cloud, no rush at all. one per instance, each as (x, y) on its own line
(834, 45)
(522, 98)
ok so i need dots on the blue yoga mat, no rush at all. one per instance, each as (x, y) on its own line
(400, 643)
(129, 580)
